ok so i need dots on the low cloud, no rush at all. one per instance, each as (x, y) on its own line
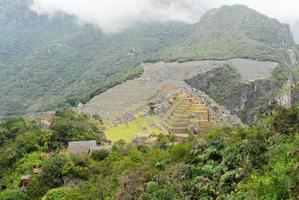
(115, 15)
(296, 31)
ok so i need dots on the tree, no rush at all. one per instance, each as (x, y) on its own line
(52, 175)
(27, 142)
(99, 155)
(57, 193)
(71, 126)
(13, 195)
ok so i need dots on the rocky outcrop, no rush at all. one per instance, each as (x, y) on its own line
(284, 98)
(247, 99)
(222, 114)
(289, 93)
(161, 79)
(243, 99)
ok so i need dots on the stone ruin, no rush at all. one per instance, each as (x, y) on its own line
(187, 114)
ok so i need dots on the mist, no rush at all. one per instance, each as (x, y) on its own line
(115, 15)
(112, 16)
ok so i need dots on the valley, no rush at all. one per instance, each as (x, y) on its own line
(164, 108)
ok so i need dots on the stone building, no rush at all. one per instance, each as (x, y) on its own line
(187, 114)
(84, 147)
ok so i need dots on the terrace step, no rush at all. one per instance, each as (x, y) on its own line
(186, 111)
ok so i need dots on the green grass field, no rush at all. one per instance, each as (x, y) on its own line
(141, 126)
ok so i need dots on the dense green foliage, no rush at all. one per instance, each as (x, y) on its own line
(52, 62)
(49, 62)
(13, 195)
(70, 126)
(99, 155)
(233, 32)
(258, 162)
(218, 83)
(18, 138)
(24, 145)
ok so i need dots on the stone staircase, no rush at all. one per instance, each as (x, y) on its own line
(133, 95)
(186, 112)
(218, 114)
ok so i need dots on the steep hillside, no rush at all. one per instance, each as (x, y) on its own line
(49, 62)
(258, 162)
(296, 31)
(234, 31)
(242, 98)
(117, 101)
(53, 62)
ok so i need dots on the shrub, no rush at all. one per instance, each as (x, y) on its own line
(52, 175)
(76, 167)
(161, 194)
(13, 195)
(71, 126)
(27, 142)
(57, 193)
(180, 151)
(99, 155)
(36, 189)
(287, 121)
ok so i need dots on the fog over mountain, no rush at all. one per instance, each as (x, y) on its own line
(115, 15)
(296, 31)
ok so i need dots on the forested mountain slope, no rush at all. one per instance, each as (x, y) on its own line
(45, 62)
(50, 62)
(234, 31)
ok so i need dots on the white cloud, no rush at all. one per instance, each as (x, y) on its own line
(115, 15)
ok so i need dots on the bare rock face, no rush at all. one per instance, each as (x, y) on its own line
(160, 80)
(135, 94)
(229, 88)
(284, 99)
(296, 31)
(289, 93)
(246, 101)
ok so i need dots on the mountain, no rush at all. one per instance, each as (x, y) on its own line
(54, 62)
(49, 62)
(296, 31)
(69, 154)
(234, 31)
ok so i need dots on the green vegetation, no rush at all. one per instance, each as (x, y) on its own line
(245, 99)
(139, 127)
(99, 155)
(50, 62)
(47, 63)
(70, 126)
(13, 195)
(218, 83)
(24, 145)
(256, 162)
(233, 32)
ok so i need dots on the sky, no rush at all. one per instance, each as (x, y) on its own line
(116, 15)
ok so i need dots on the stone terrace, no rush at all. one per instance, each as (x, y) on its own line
(134, 94)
